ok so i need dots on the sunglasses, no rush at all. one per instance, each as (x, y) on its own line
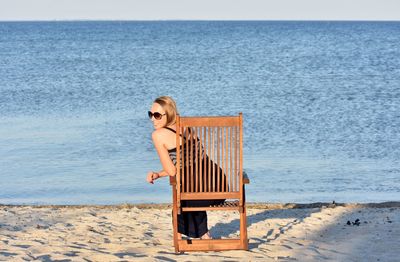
(156, 115)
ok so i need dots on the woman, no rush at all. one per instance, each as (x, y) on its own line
(163, 115)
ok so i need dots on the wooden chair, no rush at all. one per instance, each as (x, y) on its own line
(209, 166)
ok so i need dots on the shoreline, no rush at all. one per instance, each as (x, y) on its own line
(249, 205)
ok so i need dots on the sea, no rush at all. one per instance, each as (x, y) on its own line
(320, 101)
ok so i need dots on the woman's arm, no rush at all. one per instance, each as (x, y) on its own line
(151, 175)
(169, 168)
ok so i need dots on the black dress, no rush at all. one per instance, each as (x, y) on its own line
(193, 223)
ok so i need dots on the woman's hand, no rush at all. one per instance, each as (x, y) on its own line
(151, 176)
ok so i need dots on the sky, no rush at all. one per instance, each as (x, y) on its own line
(386, 10)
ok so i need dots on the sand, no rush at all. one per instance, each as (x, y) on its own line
(315, 232)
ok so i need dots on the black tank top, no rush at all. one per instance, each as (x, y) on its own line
(172, 151)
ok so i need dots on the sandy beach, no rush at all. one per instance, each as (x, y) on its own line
(314, 232)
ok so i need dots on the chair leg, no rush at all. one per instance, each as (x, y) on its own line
(175, 230)
(243, 229)
(243, 224)
(175, 221)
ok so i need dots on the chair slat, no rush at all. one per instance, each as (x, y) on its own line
(235, 158)
(218, 157)
(204, 158)
(231, 159)
(182, 158)
(196, 162)
(213, 157)
(225, 183)
(187, 163)
(200, 169)
(209, 159)
(223, 166)
(241, 158)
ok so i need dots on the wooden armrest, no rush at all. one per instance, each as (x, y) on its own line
(172, 180)
(246, 179)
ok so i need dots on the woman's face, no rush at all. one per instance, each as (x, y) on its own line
(163, 121)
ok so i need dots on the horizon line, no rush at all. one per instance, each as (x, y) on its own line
(199, 20)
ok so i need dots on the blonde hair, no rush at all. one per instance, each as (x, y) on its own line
(169, 105)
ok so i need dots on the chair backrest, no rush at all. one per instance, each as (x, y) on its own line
(209, 162)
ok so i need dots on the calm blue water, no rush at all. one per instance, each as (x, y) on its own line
(321, 105)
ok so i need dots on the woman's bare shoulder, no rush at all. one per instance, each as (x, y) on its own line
(159, 134)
